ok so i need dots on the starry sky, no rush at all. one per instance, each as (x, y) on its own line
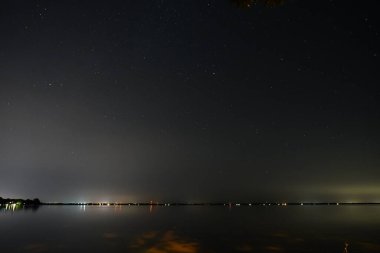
(171, 100)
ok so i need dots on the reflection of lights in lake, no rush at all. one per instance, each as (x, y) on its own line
(345, 247)
(168, 242)
(12, 206)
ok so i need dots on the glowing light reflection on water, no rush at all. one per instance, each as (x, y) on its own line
(191, 229)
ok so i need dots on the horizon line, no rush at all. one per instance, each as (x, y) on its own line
(207, 203)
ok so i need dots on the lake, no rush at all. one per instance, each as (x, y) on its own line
(189, 229)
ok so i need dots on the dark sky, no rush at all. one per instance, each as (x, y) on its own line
(189, 100)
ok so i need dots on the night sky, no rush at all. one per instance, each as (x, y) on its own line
(172, 100)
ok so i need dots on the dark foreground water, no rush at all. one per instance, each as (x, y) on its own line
(191, 229)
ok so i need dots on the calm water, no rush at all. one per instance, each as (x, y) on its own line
(191, 229)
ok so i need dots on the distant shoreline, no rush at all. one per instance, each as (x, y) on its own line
(37, 202)
(214, 204)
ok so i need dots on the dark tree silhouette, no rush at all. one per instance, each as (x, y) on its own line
(250, 3)
(25, 202)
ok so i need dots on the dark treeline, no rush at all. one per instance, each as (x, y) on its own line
(25, 202)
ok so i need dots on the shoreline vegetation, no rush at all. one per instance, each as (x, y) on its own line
(21, 202)
(15, 204)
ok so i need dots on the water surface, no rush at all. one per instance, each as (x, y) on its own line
(188, 229)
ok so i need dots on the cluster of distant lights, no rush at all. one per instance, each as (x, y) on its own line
(12, 206)
(220, 204)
